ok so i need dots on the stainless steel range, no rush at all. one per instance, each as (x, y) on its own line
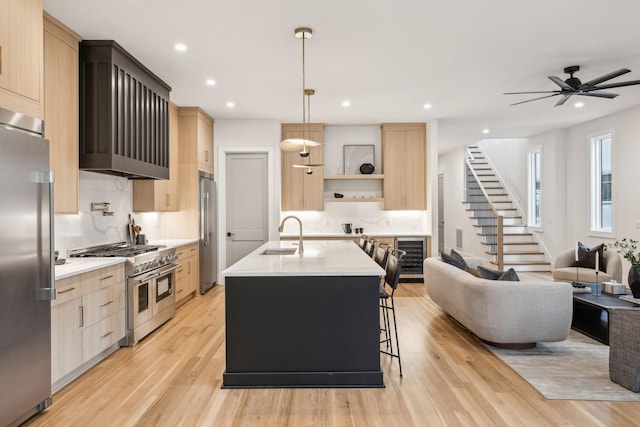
(151, 278)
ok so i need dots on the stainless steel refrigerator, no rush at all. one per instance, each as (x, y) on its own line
(208, 235)
(26, 268)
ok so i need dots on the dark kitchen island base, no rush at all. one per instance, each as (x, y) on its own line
(302, 331)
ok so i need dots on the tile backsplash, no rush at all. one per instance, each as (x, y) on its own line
(92, 228)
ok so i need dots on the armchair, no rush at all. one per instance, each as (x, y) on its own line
(563, 269)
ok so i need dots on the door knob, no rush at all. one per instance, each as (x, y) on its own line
(230, 234)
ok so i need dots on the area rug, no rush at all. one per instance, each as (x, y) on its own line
(574, 369)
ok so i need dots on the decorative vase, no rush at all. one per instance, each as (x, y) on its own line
(634, 281)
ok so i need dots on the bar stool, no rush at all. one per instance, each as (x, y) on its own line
(370, 246)
(381, 254)
(363, 241)
(391, 279)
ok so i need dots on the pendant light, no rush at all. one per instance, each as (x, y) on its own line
(302, 144)
(305, 153)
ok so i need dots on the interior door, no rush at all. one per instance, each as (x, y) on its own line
(247, 204)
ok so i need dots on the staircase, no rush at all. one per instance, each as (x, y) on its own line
(497, 221)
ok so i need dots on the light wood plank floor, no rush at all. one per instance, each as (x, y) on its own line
(173, 378)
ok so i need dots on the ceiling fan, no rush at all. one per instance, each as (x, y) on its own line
(573, 86)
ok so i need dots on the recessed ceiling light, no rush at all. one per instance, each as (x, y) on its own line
(211, 82)
(426, 106)
(231, 104)
(180, 47)
(485, 130)
(579, 104)
(346, 104)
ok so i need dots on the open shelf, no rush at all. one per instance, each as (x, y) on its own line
(353, 199)
(355, 177)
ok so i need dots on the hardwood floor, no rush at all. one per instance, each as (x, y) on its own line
(173, 377)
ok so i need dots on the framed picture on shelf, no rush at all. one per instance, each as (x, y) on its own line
(356, 156)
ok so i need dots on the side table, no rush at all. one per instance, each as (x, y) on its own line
(624, 347)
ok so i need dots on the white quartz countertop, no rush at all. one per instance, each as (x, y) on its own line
(74, 266)
(320, 258)
(173, 243)
(354, 235)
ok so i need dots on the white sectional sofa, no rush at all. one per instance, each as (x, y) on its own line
(502, 313)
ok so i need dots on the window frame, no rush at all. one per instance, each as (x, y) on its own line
(595, 188)
(532, 203)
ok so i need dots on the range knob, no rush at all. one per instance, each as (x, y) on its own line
(136, 269)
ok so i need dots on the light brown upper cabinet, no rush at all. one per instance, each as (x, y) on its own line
(205, 142)
(61, 111)
(404, 165)
(161, 195)
(21, 56)
(301, 191)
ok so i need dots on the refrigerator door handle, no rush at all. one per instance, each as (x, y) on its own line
(47, 288)
(206, 218)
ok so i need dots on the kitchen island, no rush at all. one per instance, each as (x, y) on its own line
(303, 320)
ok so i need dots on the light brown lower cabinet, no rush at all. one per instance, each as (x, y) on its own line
(87, 321)
(188, 274)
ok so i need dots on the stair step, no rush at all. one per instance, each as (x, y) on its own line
(523, 263)
(505, 253)
(493, 217)
(505, 234)
(489, 210)
(513, 243)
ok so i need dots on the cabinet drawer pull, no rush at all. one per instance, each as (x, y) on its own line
(81, 308)
(64, 291)
(179, 271)
(107, 334)
(167, 201)
(193, 249)
(107, 277)
(206, 155)
(107, 303)
(180, 290)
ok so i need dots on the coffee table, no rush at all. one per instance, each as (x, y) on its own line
(591, 314)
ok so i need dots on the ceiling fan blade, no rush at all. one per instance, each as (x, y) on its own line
(604, 78)
(564, 85)
(535, 99)
(599, 94)
(564, 99)
(621, 84)
(539, 91)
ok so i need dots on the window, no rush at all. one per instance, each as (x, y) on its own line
(601, 169)
(534, 193)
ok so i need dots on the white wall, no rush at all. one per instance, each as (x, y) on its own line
(238, 136)
(626, 154)
(451, 164)
(552, 233)
(501, 154)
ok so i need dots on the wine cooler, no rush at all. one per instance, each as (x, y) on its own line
(416, 249)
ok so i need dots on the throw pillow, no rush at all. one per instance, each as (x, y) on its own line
(487, 273)
(473, 271)
(587, 256)
(454, 259)
(509, 275)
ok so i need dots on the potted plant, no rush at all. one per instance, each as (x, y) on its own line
(629, 250)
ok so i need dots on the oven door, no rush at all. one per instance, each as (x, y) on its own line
(141, 293)
(165, 288)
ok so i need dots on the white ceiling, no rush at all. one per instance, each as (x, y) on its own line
(388, 57)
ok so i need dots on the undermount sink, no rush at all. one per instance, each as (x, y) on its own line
(279, 251)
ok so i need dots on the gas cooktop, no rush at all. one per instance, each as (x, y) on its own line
(113, 250)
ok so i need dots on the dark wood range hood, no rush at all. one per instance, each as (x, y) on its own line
(124, 114)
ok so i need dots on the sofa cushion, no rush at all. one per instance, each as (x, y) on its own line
(454, 259)
(509, 275)
(587, 256)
